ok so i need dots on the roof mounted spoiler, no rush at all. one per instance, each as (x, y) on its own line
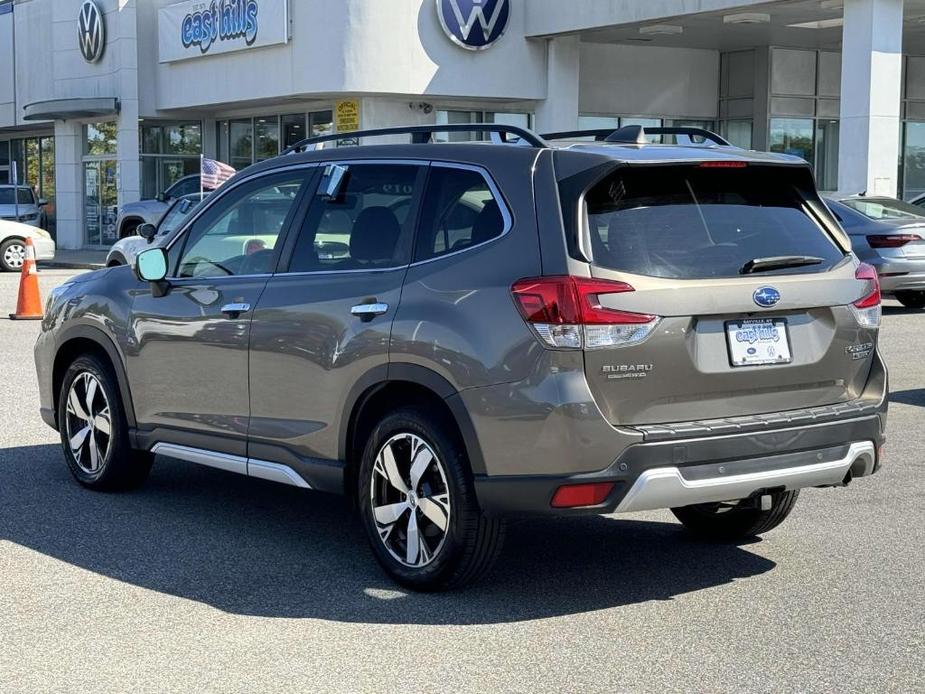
(638, 135)
(421, 134)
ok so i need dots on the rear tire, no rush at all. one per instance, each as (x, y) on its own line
(911, 299)
(403, 505)
(727, 523)
(94, 431)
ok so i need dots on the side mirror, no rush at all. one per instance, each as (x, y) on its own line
(147, 232)
(42, 202)
(151, 266)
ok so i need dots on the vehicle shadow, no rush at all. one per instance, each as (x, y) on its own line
(913, 396)
(900, 310)
(258, 548)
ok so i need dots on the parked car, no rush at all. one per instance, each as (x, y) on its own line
(889, 235)
(13, 237)
(30, 208)
(506, 328)
(134, 214)
(123, 252)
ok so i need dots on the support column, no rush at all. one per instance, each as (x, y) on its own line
(559, 111)
(871, 92)
(69, 184)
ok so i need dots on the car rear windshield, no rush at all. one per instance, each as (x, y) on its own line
(25, 196)
(691, 222)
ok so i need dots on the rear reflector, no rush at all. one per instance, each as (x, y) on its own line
(723, 165)
(867, 310)
(567, 312)
(575, 495)
(891, 240)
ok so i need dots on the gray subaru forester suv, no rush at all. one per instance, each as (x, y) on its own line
(456, 333)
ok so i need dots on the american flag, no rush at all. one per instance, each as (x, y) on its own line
(214, 173)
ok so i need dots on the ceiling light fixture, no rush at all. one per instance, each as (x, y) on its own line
(747, 18)
(661, 29)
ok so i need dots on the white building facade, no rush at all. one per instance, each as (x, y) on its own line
(104, 102)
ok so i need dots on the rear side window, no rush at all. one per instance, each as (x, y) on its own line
(690, 222)
(459, 211)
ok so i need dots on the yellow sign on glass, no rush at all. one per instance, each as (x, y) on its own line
(347, 116)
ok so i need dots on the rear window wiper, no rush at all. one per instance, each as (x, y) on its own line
(779, 262)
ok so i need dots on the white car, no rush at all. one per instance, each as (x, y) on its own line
(134, 214)
(29, 210)
(13, 237)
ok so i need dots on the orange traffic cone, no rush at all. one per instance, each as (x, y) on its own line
(29, 305)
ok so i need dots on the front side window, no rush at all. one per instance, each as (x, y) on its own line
(365, 227)
(460, 211)
(690, 222)
(239, 234)
(185, 186)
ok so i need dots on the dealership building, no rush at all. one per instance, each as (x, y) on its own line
(104, 102)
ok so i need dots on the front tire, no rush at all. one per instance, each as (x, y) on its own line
(732, 521)
(12, 253)
(911, 299)
(418, 505)
(94, 431)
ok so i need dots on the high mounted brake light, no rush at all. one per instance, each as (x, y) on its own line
(567, 312)
(723, 165)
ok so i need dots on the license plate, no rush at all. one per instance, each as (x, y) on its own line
(758, 341)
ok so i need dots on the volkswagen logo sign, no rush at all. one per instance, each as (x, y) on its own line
(766, 296)
(91, 33)
(474, 24)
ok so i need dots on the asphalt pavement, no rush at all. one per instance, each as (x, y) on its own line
(205, 581)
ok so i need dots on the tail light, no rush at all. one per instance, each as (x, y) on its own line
(891, 240)
(723, 164)
(867, 310)
(567, 313)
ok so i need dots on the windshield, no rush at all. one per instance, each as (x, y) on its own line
(691, 222)
(175, 215)
(25, 196)
(884, 208)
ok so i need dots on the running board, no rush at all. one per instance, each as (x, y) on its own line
(250, 467)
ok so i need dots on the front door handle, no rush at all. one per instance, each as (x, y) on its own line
(369, 311)
(235, 310)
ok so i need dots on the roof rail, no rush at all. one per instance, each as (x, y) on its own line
(422, 134)
(637, 134)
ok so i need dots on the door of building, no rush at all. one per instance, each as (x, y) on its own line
(101, 207)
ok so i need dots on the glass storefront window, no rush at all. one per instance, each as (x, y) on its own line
(241, 138)
(266, 138)
(913, 160)
(827, 154)
(739, 133)
(4, 162)
(598, 122)
(100, 139)
(170, 151)
(521, 120)
(293, 128)
(793, 136)
(321, 123)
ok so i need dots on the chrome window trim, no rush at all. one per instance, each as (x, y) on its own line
(506, 213)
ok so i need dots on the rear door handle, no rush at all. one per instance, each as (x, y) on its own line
(235, 309)
(369, 311)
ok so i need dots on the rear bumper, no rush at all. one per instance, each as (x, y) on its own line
(898, 274)
(680, 472)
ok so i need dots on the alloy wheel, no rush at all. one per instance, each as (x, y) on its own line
(89, 422)
(410, 500)
(14, 255)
